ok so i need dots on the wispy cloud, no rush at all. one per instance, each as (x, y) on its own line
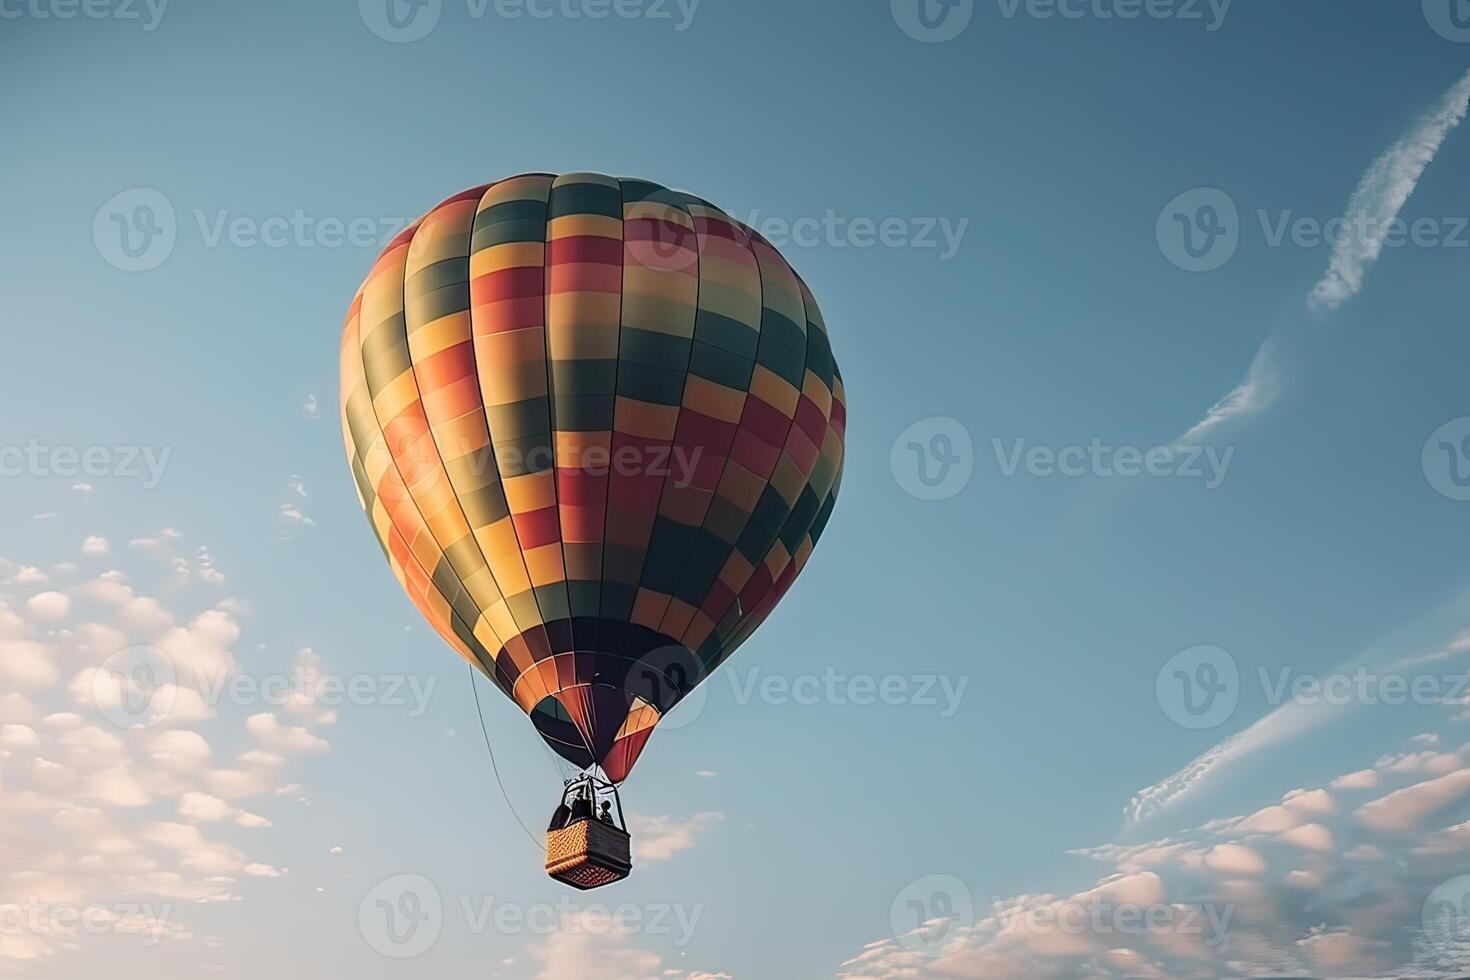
(1287, 721)
(1259, 389)
(1375, 204)
(1381, 195)
(291, 514)
(658, 838)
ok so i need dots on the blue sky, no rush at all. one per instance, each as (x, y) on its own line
(1036, 174)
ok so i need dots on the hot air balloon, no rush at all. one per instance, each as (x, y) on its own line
(597, 427)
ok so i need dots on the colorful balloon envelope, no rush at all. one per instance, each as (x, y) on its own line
(598, 429)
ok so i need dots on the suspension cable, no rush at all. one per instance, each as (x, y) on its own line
(495, 768)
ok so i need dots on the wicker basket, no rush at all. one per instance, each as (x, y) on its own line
(588, 854)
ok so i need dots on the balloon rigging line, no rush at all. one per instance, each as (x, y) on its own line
(493, 767)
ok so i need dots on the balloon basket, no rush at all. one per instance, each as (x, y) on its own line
(588, 854)
(589, 850)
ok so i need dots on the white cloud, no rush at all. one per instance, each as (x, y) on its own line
(95, 642)
(291, 514)
(1437, 763)
(11, 625)
(236, 784)
(96, 545)
(1362, 779)
(179, 751)
(49, 606)
(254, 773)
(201, 652)
(1283, 723)
(93, 747)
(1311, 836)
(118, 787)
(81, 796)
(593, 946)
(204, 567)
(284, 738)
(303, 700)
(1229, 898)
(196, 851)
(18, 737)
(1313, 801)
(660, 838)
(110, 588)
(27, 665)
(1372, 209)
(1254, 394)
(1382, 194)
(1271, 820)
(15, 708)
(149, 702)
(198, 807)
(1235, 859)
(145, 616)
(1409, 808)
